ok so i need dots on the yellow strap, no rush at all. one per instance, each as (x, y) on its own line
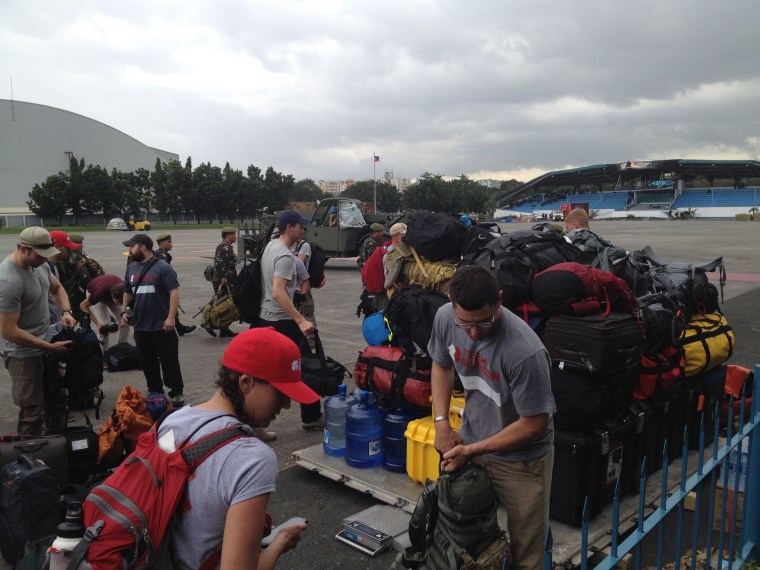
(419, 263)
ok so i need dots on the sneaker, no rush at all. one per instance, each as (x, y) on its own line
(318, 423)
(177, 401)
(227, 333)
(264, 435)
(154, 393)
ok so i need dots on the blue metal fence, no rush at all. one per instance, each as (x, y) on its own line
(720, 462)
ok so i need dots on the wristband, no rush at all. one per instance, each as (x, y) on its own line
(440, 418)
(67, 311)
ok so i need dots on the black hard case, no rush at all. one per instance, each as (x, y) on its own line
(51, 449)
(589, 465)
(602, 344)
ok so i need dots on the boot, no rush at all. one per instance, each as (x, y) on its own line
(209, 330)
(227, 333)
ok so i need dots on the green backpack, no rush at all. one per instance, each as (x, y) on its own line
(454, 525)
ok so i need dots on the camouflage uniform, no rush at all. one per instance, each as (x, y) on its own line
(224, 264)
(368, 247)
(161, 253)
(76, 271)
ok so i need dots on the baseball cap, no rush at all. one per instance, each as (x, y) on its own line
(228, 230)
(289, 218)
(39, 240)
(142, 239)
(376, 227)
(61, 239)
(76, 238)
(163, 237)
(267, 355)
(398, 229)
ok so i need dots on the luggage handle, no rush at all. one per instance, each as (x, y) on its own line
(32, 446)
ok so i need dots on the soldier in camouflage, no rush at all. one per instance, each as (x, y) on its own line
(75, 269)
(374, 241)
(225, 271)
(165, 245)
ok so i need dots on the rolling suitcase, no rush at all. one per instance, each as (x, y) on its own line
(51, 449)
(601, 344)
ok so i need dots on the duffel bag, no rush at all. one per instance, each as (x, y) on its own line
(320, 372)
(51, 449)
(221, 311)
(393, 376)
(708, 341)
(435, 236)
(121, 357)
(658, 372)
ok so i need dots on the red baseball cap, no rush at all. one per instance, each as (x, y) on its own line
(61, 239)
(267, 355)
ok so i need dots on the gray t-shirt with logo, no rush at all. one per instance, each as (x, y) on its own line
(505, 376)
(25, 292)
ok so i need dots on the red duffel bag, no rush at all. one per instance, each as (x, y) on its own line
(658, 372)
(393, 376)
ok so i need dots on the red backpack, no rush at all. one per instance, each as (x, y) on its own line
(128, 515)
(373, 275)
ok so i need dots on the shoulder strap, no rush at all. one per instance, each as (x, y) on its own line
(142, 274)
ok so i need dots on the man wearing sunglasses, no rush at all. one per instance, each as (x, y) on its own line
(507, 423)
(25, 327)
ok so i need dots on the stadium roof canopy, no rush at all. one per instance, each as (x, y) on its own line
(638, 174)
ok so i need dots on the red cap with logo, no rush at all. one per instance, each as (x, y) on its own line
(61, 239)
(267, 355)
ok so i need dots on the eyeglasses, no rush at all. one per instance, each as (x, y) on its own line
(484, 325)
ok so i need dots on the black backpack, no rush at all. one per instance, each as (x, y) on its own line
(80, 368)
(476, 238)
(121, 357)
(518, 256)
(317, 262)
(248, 291)
(435, 236)
(411, 312)
(454, 525)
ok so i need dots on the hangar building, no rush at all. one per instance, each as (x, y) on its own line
(36, 141)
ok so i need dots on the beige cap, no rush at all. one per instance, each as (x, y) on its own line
(39, 240)
(398, 229)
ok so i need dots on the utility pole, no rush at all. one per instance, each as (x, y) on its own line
(375, 160)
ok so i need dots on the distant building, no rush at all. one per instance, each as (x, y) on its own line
(36, 141)
(490, 183)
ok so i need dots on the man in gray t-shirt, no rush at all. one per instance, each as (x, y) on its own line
(25, 283)
(507, 423)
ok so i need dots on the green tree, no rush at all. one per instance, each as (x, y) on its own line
(429, 192)
(175, 184)
(97, 191)
(388, 196)
(205, 197)
(467, 195)
(48, 200)
(277, 189)
(142, 189)
(251, 199)
(74, 195)
(306, 190)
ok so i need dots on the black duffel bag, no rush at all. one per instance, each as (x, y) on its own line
(435, 236)
(321, 373)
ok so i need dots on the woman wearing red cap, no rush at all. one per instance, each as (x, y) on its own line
(229, 493)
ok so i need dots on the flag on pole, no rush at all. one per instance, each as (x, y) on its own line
(377, 158)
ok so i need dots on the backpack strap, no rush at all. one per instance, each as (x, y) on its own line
(419, 262)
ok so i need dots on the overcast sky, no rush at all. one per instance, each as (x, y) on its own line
(491, 89)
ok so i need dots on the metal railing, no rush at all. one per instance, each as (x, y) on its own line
(729, 546)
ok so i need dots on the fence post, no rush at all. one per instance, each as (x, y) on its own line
(751, 514)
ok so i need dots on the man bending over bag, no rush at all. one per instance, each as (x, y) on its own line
(507, 426)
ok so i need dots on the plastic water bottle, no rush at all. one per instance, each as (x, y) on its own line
(364, 434)
(394, 441)
(357, 395)
(68, 535)
(335, 422)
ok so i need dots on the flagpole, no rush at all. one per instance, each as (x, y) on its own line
(374, 181)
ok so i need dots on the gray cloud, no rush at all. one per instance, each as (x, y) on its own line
(314, 89)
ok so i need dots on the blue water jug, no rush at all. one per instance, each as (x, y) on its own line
(357, 394)
(335, 422)
(394, 441)
(364, 434)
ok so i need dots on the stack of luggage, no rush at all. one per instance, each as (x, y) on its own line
(638, 345)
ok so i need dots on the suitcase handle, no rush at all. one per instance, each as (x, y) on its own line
(30, 446)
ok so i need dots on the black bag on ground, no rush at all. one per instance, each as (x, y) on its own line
(29, 505)
(121, 357)
(82, 368)
(435, 236)
(518, 256)
(51, 449)
(411, 312)
(454, 525)
(601, 344)
(585, 400)
(248, 293)
(321, 373)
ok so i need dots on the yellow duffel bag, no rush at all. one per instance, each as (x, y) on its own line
(707, 342)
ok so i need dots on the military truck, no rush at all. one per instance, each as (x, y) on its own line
(338, 225)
